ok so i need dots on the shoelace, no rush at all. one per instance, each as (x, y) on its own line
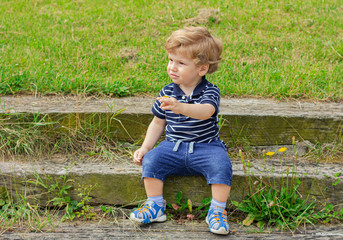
(144, 208)
(222, 215)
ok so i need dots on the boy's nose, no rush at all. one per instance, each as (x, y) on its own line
(172, 66)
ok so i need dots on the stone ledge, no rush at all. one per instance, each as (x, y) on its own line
(253, 121)
(142, 105)
(121, 184)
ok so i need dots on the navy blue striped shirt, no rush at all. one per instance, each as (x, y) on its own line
(186, 129)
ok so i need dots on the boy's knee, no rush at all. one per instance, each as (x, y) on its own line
(149, 163)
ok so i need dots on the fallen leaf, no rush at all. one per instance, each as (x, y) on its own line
(248, 220)
(175, 206)
(190, 205)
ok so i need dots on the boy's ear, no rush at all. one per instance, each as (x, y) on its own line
(203, 69)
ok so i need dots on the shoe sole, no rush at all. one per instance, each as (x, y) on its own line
(220, 231)
(163, 218)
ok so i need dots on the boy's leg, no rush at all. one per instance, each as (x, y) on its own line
(217, 215)
(159, 163)
(220, 192)
(153, 187)
(153, 209)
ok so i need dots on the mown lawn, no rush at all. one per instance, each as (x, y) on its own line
(282, 49)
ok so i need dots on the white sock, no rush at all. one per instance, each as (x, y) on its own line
(215, 203)
(158, 200)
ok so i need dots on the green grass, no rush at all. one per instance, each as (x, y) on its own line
(282, 49)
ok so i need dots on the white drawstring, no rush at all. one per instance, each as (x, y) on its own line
(191, 147)
(177, 145)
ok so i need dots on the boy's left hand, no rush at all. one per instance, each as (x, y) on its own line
(170, 103)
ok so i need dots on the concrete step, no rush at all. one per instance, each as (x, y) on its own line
(120, 182)
(252, 122)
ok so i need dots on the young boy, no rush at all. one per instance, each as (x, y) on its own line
(187, 110)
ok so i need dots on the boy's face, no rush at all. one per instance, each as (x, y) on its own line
(183, 71)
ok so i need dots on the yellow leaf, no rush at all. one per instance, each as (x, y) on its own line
(248, 220)
(189, 203)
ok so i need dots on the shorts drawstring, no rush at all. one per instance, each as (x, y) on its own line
(177, 144)
(176, 147)
(191, 147)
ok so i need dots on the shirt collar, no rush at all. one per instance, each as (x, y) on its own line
(177, 91)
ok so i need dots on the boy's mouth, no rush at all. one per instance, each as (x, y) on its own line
(173, 76)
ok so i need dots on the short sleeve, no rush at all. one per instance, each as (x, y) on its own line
(211, 96)
(156, 110)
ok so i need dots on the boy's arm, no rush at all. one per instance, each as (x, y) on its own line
(197, 111)
(154, 132)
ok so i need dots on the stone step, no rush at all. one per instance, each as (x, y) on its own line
(120, 182)
(126, 229)
(254, 122)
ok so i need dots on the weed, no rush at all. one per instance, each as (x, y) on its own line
(276, 201)
(89, 135)
(328, 151)
(335, 178)
(18, 212)
(329, 213)
(109, 211)
(59, 192)
(83, 209)
(183, 208)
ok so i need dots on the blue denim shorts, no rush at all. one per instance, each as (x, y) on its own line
(187, 158)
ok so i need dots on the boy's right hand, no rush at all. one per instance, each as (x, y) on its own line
(138, 155)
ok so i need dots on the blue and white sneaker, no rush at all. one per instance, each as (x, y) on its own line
(150, 212)
(217, 221)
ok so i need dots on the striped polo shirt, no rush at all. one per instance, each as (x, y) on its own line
(186, 129)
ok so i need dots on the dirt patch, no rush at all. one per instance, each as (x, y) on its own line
(205, 16)
(128, 55)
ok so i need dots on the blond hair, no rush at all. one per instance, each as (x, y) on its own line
(198, 44)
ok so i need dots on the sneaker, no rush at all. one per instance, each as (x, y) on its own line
(217, 221)
(150, 212)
